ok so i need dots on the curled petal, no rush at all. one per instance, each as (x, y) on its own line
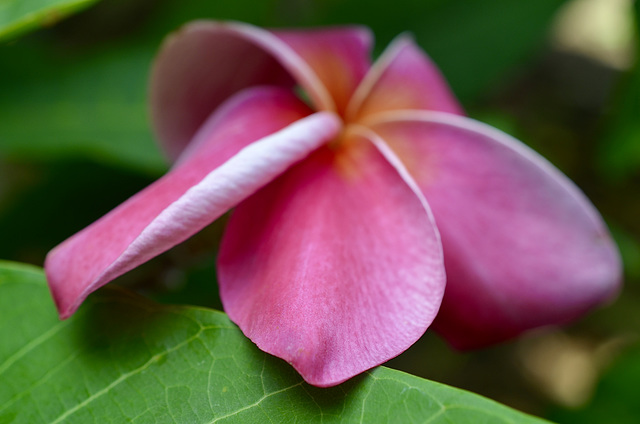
(523, 246)
(205, 62)
(246, 144)
(340, 270)
(402, 78)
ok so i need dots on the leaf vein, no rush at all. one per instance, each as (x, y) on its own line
(256, 403)
(32, 345)
(364, 399)
(125, 376)
(44, 378)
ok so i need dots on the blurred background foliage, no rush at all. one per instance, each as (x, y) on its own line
(562, 76)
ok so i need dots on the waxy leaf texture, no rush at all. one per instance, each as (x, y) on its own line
(123, 358)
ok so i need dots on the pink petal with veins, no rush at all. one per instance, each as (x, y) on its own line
(523, 246)
(336, 266)
(247, 143)
(402, 78)
(205, 62)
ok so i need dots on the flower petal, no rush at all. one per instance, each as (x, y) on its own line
(402, 78)
(342, 268)
(205, 62)
(340, 57)
(523, 246)
(229, 166)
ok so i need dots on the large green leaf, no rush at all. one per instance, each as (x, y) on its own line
(19, 16)
(64, 96)
(90, 104)
(122, 358)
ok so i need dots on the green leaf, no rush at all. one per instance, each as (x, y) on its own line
(20, 16)
(123, 358)
(620, 147)
(62, 98)
(59, 99)
(56, 104)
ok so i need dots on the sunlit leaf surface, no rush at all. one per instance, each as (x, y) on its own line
(122, 358)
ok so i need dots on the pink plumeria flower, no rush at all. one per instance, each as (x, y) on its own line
(332, 259)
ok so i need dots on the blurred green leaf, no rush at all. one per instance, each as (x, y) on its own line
(123, 358)
(56, 104)
(630, 250)
(60, 100)
(620, 145)
(20, 16)
(63, 99)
